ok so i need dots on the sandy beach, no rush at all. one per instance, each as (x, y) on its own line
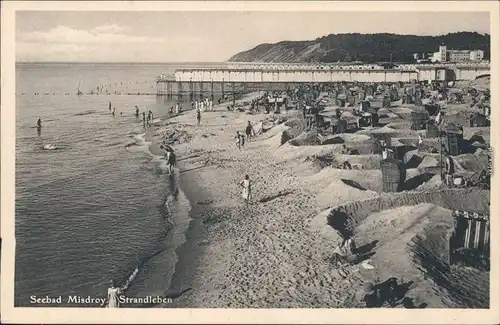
(275, 251)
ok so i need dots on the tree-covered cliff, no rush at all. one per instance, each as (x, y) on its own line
(362, 47)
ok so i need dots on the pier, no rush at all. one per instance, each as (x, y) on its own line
(244, 77)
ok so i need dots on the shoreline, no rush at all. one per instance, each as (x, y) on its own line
(189, 253)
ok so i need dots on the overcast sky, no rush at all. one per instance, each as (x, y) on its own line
(206, 36)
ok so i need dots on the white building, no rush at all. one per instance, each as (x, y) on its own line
(445, 55)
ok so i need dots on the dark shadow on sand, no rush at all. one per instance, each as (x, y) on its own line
(416, 181)
(353, 184)
(272, 197)
(194, 168)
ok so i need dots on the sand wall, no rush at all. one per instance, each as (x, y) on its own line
(453, 199)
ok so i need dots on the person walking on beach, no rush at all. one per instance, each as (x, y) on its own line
(170, 158)
(238, 140)
(249, 131)
(198, 115)
(247, 189)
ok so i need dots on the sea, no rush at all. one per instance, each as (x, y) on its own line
(93, 204)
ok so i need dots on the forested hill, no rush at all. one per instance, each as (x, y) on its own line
(362, 47)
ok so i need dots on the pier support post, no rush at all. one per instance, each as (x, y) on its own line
(222, 85)
(234, 94)
(212, 89)
(201, 89)
(179, 89)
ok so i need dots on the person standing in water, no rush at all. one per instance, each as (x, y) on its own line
(136, 111)
(170, 158)
(144, 118)
(39, 123)
(114, 111)
(109, 107)
(246, 192)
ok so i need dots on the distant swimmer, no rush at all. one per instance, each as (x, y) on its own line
(136, 111)
(39, 123)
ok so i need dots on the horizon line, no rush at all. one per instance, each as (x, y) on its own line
(123, 62)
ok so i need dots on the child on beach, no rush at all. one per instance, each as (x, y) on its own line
(246, 193)
(240, 140)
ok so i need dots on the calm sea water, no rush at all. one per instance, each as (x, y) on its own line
(90, 210)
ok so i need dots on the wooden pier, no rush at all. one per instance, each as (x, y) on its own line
(199, 82)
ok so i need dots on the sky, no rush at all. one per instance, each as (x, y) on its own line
(211, 36)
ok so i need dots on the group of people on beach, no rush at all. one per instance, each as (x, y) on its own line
(177, 109)
(203, 104)
(240, 138)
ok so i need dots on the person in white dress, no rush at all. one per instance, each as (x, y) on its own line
(114, 293)
(247, 191)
